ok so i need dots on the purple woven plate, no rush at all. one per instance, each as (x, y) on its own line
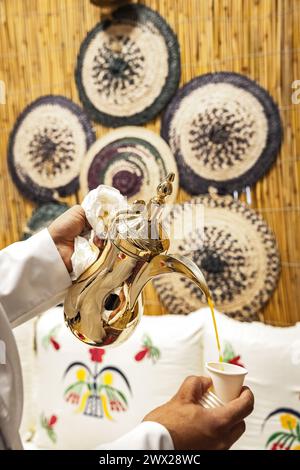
(131, 159)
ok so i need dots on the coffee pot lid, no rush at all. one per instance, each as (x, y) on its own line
(138, 230)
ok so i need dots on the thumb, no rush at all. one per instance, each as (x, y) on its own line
(193, 388)
(99, 242)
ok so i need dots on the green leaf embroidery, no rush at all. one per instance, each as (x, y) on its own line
(75, 386)
(293, 438)
(273, 436)
(52, 333)
(54, 330)
(298, 431)
(111, 392)
(285, 440)
(154, 354)
(228, 352)
(52, 435)
(147, 342)
(44, 422)
(121, 394)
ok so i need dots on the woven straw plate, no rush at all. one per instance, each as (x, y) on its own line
(128, 67)
(235, 250)
(46, 146)
(224, 130)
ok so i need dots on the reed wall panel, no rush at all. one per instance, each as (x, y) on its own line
(39, 41)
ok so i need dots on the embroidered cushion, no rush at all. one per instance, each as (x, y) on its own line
(89, 396)
(272, 357)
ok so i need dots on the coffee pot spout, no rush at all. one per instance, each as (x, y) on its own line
(167, 264)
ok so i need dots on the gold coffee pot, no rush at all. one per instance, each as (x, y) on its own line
(104, 305)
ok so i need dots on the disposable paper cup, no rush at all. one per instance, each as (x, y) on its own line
(227, 379)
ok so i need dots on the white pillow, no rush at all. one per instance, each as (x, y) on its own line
(144, 372)
(272, 357)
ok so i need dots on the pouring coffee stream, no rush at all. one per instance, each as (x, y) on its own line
(103, 306)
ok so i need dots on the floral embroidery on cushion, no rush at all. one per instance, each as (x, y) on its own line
(93, 392)
(288, 435)
(96, 354)
(230, 356)
(51, 339)
(48, 425)
(148, 350)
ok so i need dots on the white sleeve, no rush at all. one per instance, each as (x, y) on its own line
(146, 436)
(33, 277)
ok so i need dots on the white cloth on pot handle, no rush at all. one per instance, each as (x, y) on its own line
(100, 205)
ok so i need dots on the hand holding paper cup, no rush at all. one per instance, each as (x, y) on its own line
(227, 379)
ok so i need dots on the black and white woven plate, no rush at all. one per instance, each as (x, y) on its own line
(235, 250)
(128, 67)
(46, 147)
(224, 130)
(133, 160)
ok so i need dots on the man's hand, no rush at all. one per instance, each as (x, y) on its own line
(195, 428)
(64, 229)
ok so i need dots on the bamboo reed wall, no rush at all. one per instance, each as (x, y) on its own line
(39, 41)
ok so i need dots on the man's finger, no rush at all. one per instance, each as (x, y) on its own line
(79, 215)
(236, 432)
(193, 388)
(236, 410)
(99, 242)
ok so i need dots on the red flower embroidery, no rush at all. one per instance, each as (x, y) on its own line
(148, 350)
(52, 421)
(96, 354)
(230, 356)
(48, 425)
(116, 405)
(141, 354)
(236, 360)
(51, 338)
(279, 447)
(73, 398)
(54, 343)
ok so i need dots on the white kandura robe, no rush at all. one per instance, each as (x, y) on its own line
(34, 278)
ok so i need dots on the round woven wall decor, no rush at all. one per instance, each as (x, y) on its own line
(236, 252)
(131, 159)
(46, 147)
(128, 67)
(42, 217)
(224, 130)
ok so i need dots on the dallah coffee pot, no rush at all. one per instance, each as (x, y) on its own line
(104, 305)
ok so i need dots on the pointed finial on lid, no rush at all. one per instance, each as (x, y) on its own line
(164, 189)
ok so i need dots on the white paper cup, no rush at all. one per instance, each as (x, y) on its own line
(227, 379)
